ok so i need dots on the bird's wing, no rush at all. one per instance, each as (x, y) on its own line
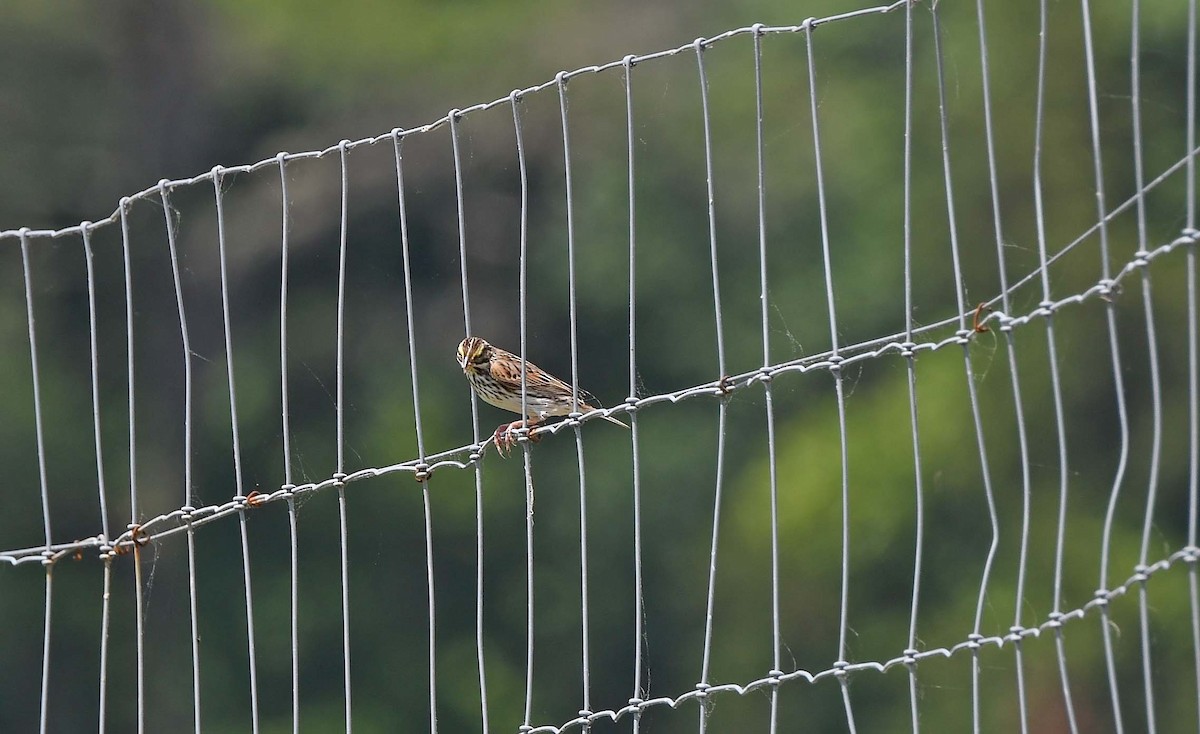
(544, 383)
(587, 401)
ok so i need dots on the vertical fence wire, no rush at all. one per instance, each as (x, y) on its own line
(638, 597)
(44, 703)
(1055, 379)
(911, 369)
(483, 699)
(218, 177)
(1152, 349)
(1193, 366)
(105, 620)
(1010, 348)
(294, 552)
(476, 448)
(703, 685)
(341, 429)
(423, 476)
(106, 554)
(412, 361)
(426, 504)
(522, 165)
(964, 335)
(838, 381)
(430, 590)
(186, 348)
(575, 401)
(133, 498)
(27, 274)
(528, 473)
(776, 640)
(1110, 310)
(406, 263)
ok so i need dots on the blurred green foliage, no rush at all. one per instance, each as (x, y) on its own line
(103, 101)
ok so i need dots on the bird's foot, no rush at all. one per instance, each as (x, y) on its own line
(505, 439)
(506, 436)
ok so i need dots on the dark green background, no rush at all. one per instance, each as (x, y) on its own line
(99, 101)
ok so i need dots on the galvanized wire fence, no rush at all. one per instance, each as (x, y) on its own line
(959, 328)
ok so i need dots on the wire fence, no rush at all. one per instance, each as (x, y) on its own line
(999, 319)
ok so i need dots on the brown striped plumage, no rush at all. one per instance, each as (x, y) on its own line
(495, 375)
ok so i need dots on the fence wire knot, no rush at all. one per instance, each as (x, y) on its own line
(979, 321)
(723, 385)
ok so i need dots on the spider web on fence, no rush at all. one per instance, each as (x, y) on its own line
(1000, 316)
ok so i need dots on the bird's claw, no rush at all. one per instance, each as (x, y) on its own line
(504, 441)
(506, 437)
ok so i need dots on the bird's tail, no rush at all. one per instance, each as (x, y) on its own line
(610, 419)
(593, 404)
(586, 407)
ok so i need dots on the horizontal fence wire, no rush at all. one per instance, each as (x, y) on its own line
(467, 456)
(1189, 555)
(451, 117)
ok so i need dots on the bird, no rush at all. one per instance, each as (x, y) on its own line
(495, 376)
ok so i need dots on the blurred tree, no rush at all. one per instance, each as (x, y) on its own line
(103, 101)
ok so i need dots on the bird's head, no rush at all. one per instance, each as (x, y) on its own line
(474, 354)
